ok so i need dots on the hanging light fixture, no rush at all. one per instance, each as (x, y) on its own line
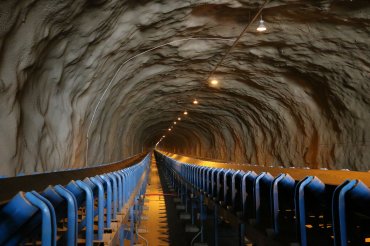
(195, 101)
(214, 82)
(169, 129)
(261, 27)
(175, 122)
(178, 118)
(186, 113)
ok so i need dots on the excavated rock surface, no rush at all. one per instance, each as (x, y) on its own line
(297, 95)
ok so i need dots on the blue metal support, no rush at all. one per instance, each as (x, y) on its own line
(257, 193)
(108, 200)
(213, 183)
(119, 191)
(132, 225)
(226, 187)
(215, 225)
(101, 203)
(124, 181)
(71, 214)
(241, 234)
(125, 190)
(351, 191)
(309, 183)
(27, 216)
(234, 189)
(249, 174)
(286, 181)
(115, 195)
(48, 218)
(89, 211)
(202, 217)
(13, 216)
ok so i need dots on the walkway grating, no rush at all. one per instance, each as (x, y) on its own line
(156, 225)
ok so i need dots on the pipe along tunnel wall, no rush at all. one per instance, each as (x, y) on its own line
(296, 95)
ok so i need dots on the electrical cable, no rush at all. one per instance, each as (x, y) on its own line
(192, 241)
(233, 45)
(119, 69)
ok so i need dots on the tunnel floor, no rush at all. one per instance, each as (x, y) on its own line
(161, 224)
(154, 226)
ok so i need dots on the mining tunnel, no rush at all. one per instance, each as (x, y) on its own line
(199, 122)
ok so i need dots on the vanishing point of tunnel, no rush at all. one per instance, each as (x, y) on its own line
(90, 82)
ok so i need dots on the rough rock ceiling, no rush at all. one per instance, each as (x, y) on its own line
(297, 95)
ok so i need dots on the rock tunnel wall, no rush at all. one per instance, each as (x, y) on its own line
(296, 95)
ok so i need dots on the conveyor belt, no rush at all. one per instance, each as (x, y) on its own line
(11, 186)
(92, 206)
(277, 206)
(155, 227)
(330, 177)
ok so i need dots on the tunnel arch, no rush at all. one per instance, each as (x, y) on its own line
(295, 95)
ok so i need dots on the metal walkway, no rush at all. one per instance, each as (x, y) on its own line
(154, 225)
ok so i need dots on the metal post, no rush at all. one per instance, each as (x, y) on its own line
(182, 192)
(241, 234)
(122, 235)
(215, 225)
(132, 238)
(186, 198)
(202, 217)
(192, 211)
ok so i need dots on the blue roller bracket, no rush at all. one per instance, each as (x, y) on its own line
(71, 214)
(218, 184)
(263, 177)
(351, 192)
(276, 202)
(109, 199)
(312, 185)
(30, 217)
(213, 183)
(286, 183)
(208, 181)
(119, 191)
(89, 218)
(48, 231)
(17, 212)
(125, 190)
(228, 183)
(101, 203)
(115, 194)
(204, 179)
(249, 177)
(236, 190)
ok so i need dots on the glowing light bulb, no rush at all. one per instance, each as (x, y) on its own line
(169, 129)
(195, 101)
(186, 113)
(175, 122)
(261, 27)
(179, 118)
(163, 136)
(214, 82)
